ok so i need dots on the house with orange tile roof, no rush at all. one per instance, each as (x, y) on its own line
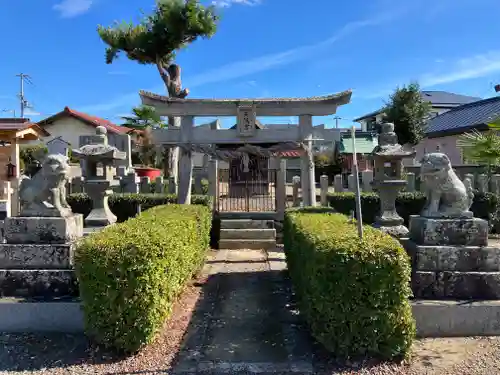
(70, 124)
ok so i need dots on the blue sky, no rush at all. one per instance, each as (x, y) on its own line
(263, 48)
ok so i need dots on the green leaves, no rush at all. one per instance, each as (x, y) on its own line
(481, 147)
(131, 273)
(171, 26)
(125, 206)
(353, 292)
(409, 112)
(143, 117)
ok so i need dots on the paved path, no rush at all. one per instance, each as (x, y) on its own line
(244, 322)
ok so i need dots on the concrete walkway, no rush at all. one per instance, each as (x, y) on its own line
(244, 322)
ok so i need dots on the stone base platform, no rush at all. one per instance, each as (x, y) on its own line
(456, 318)
(459, 232)
(456, 285)
(43, 230)
(31, 256)
(453, 258)
(38, 283)
(18, 315)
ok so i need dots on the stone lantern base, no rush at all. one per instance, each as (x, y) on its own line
(100, 216)
(396, 231)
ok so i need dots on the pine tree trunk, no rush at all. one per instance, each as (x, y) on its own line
(171, 76)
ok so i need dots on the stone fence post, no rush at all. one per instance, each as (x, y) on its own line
(159, 185)
(482, 183)
(367, 178)
(338, 185)
(295, 191)
(323, 183)
(172, 185)
(410, 179)
(495, 184)
(351, 183)
(145, 187)
(281, 189)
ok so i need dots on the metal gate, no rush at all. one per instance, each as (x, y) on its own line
(247, 185)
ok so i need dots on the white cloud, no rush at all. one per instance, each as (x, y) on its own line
(263, 63)
(477, 66)
(228, 3)
(471, 67)
(72, 8)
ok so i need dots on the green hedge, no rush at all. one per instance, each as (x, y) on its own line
(353, 293)
(484, 206)
(125, 206)
(131, 273)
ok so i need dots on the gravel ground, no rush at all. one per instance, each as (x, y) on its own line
(456, 356)
(72, 354)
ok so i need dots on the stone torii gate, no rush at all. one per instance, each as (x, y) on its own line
(190, 138)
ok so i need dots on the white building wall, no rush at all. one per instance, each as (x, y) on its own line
(69, 129)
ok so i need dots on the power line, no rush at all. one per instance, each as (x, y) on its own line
(8, 110)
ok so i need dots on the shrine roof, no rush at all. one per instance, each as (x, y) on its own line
(315, 105)
(365, 143)
(21, 128)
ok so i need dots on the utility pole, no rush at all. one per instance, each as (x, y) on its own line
(337, 118)
(24, 103)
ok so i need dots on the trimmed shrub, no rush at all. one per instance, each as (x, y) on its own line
(131, 273)
(354, 293)
(484, 206)
(126, 206)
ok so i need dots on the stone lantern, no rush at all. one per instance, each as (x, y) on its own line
(98, 153)
(388, 180)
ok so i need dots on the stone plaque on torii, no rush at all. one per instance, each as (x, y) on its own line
(246, 120)
(190, 138)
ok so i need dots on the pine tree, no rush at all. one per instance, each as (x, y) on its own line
(173, 25)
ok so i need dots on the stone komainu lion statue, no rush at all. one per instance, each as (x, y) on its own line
(447, 196)
(45, 193)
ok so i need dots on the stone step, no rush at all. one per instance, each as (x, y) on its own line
(31, 256)
(456, 285)
(247, 234)
(247, 244)
(37, 283)
(246, 224)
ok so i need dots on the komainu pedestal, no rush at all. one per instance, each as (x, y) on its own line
(449, 248)
(37, 259)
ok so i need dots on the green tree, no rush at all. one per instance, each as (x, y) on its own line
(409, 112)
(173, 25)
(144, 118)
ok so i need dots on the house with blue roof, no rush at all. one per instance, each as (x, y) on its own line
(443, 131)
(440, 101)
